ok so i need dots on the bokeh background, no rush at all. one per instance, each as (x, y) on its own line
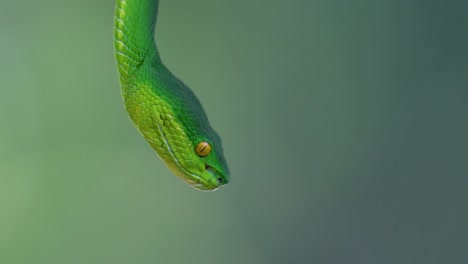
(344, 123)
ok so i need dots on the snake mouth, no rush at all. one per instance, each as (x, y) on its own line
(211, 178)
(215, 174)
(207, 180)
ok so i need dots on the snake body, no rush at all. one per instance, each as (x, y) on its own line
(165, 111)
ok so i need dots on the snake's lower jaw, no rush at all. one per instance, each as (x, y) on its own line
(210, 180)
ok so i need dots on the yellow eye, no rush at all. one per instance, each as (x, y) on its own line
(203, 149)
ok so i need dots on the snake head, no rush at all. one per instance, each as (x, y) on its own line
(204, 168)
(190, 148)
(209, 170)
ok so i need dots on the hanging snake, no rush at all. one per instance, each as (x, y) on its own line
(165, 111)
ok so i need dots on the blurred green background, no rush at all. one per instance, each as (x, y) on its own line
(344, 124)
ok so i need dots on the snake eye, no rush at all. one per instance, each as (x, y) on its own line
(203, 149)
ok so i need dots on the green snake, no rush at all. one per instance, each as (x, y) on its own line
(165, 111)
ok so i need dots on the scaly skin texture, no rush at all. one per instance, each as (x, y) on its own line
(163, 108)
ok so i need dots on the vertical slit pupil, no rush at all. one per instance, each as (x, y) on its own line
(203, 149)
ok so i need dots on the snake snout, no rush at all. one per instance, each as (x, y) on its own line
(215, 177)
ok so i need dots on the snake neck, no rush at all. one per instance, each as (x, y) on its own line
(134, 43)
